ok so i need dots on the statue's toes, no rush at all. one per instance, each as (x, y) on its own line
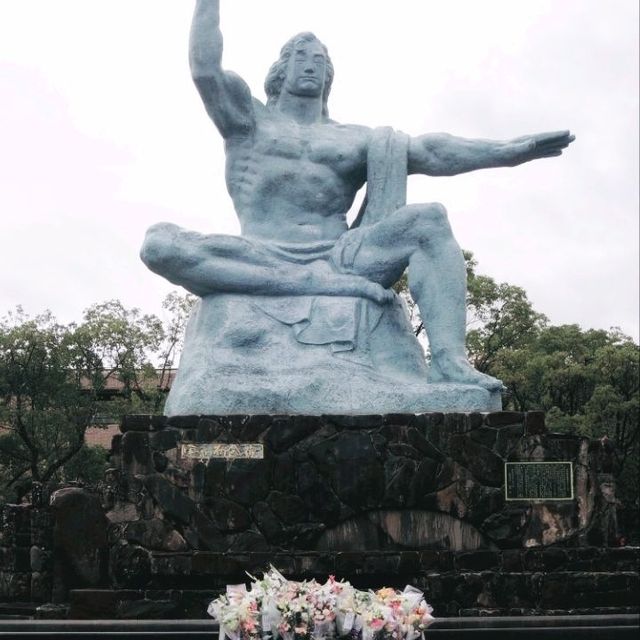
(492, 384)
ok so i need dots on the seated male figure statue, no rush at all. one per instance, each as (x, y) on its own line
(293, 175)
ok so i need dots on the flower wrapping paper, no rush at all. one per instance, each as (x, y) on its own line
(280, 609)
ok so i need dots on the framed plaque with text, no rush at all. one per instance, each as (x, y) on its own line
(538, 481)
(226, 451)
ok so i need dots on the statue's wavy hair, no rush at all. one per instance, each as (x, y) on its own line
(277, 73)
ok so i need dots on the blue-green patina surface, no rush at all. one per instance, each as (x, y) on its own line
(297, 314)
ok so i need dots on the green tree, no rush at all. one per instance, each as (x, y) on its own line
(87, 466)
(177, 308)
(49, 383)
(589, 378)
(587, 381)
(499, 316)
(57, 380)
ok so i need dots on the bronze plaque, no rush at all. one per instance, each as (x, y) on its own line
(538, 481)
(234, 451)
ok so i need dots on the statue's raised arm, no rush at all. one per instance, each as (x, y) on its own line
(297, 313)
(226, 96)
(441, 154)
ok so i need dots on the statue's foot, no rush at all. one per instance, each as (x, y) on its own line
(378, 293)
(450, 368)
(323, 280)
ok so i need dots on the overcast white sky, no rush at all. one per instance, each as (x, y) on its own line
(102, 134)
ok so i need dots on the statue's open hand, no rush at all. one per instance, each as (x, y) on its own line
(539, 145)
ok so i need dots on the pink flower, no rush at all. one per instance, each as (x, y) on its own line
(249, 625)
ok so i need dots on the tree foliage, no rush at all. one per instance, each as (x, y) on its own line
(177, 308)
(587, 381)
(49, 381)
(499, 316)
(57, 380)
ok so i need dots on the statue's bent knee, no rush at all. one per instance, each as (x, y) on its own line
(434, 212)
(427, 219)
(438, 209)
(157, 249)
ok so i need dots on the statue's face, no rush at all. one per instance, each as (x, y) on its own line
(306, 70)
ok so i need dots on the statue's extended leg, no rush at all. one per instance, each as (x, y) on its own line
(419, 236)
(206, 264)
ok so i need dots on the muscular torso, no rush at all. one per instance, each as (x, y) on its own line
(295, 183)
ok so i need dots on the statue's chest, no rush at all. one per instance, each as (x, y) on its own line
(320, 144)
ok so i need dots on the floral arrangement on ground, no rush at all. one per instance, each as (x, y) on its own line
(281, 609)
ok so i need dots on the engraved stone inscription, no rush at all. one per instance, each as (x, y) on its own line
(210, 450)
(538, 480)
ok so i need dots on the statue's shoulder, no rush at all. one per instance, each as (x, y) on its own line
(356, 132)
(360, 129)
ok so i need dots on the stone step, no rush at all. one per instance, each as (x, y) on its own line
(450, 594)
(17, 609)
(614, 627)
(348, 564)
(512, 612)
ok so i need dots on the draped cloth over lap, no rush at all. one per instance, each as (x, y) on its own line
(344, 322)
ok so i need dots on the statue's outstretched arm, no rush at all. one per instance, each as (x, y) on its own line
(226, 96)
(440, 154)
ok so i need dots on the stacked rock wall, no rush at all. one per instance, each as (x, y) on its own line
(378, 500)
(544, 580)
(53, 545)
(26, 542)
(345, 483)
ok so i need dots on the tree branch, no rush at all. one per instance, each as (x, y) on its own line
(54, 466)
(16, 477)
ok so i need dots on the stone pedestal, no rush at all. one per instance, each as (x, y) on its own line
(391, 499)
(301, 355)
(377, 500)
(346, 483)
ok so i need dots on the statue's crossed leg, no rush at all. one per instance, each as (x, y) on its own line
(363, 262)
(206, 264)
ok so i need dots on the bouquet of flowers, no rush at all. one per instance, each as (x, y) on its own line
(237, 613)
(281, 609)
